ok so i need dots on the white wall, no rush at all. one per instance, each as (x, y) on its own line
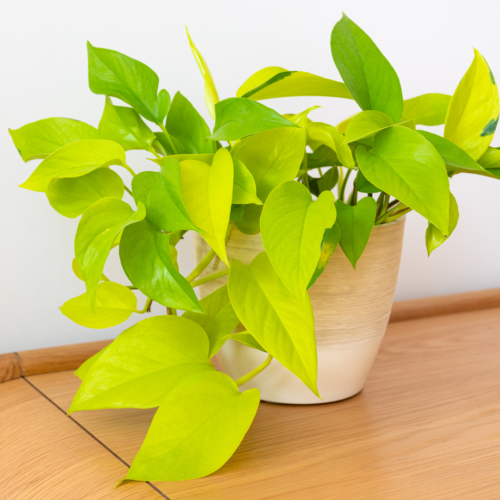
(44, 74)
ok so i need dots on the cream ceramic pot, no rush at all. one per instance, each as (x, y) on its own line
(351, 311)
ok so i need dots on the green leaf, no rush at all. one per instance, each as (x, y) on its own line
(301, 118)
(85, 367)
(323, 134)
(99, 226)
(244, 188)
(427, 109)
(473, 112)
(405, 165)
(188, 127)
(207, 192)
(117, 75)
(71, 197)
(366, 124)
(161, 194)
(125, 126)
(281, 324)
(237, 213)
(325, 183)
(245, 338)
(114, 304)
(273, 82)
(490, 161)
(143, 364)
(41, 138)
(211, 96)
(368, 75)
(292, 228)
(147, 262)
(328, 246)
(210, 420)
(78, 271)
(323, 156)
(237, 117)
(355, 224)
(433, 236)
(219, 319)
(363, 186)
(452, 155)
(164, 147)
(74, 160)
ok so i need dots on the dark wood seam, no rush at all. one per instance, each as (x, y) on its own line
(20, 361)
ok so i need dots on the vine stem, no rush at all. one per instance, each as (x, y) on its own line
(398, 215)
(126, 167)
(151, 150)
(340, 182)
(128, 190)
(210, 277)
(146, 307)
(203, 264)
(398, 206)
(255, 372)
(167, 135)
(344, 184)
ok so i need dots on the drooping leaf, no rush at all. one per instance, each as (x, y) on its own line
(99, 226)
(188, 127)
(363, 186)
(114, 304)
(125, 126)
(71, 197)
(147, 262)
(427, 109)
(245, 338)
(41, 138)
(237, 117)
(366, 124)
(244, 188)
(219, 319)
(323, 134)
(281, 324)
(211, 95)
(368, 75)
(161, 194)
(292, 228)
(433, 236)
(405, 165)
(74, 160)
(211, 418)
(117, 75)
(328, 246)
(355, 224)
(207, 192)
(473, 112)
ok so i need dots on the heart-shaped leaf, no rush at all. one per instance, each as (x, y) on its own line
(323, 134)
(363, 186)
(427, 109)
(244, 188)
(324, 183)
(433, 236)
(328, 246)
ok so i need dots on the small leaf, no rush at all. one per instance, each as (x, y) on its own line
(245, 338)
(207, 192)
(490, 161)
(328, 246)
(323, 156)
(74, 160)
(366, 124)
(281, 324)
(219, 319)
(71, 197)
(322, 133)
(99, 226)
(325, 183)
(292, 228)
(427, 109)
(41, 138)
(355, 224)
(114, 305)
(363, 186)
(244, 188)
(147, 262)
(433, 236)
(301, 118)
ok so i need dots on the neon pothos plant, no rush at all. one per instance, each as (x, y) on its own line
(251, 171)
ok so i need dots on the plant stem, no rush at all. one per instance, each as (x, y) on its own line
(210, 277)
(129, 169)
(167, 135)
(398, 215)
(128, 190)
(320, 172)
(340, 182)
(151, 150)
(146, 307)
(344, 184)
(398, 206)
(171, 311)
(203, 264)
(253, 373)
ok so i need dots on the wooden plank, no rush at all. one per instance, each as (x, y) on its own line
(45, 455)
(427, 425)
(10, 367)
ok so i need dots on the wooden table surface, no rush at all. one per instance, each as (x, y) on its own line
(426, 426)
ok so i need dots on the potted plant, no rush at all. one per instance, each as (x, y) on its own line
(265, 219)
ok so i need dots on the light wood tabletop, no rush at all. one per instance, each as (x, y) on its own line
(426, 426)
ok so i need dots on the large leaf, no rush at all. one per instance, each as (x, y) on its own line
(368, 75)
(125, 126)
(405, 165)
(97, 230)
(161, 194)
(427, 109)
(323, 134)
(41, 138)
(146, 260)
(433, 236)
(244, 188)
(117, 75)
(366, 124)
(473, 112)
(211, 96)
(210, 419)
(207, 192)
(114, 305)
(74, 160)
(273, 82)
(188, 127)
(491, 162)
(355, 224)
(71, 197)
(363, 186)
(143, 364)
(85, 367)
(219, 319)
(328, 246)
(237, 117)
(281, 324)
(292, 228)
(245, 338)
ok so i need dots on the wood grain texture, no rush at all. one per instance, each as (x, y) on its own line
(426, 426)
(10, 367)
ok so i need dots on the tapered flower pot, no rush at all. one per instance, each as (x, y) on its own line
(351, 311)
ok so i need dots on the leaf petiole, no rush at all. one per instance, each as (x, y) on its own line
(147, 307)
(210, 277)
(167, 135)
(255, 372)
(129, 169)
(203, 264)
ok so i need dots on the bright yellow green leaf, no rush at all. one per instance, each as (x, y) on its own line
(321, 133)
(433, 236)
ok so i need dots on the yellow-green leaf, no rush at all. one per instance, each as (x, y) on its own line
(244, 188)
(323, 134)
(433, 236)
(366, 124)
(427, 109)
